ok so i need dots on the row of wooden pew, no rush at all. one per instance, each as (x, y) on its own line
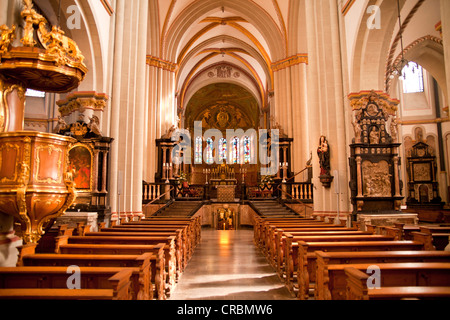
(135, 260)
(324, 261)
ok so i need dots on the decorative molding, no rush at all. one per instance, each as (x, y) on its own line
(347, 6)
(291, 61)
(438, 27)
(82, 100)
(162, 64)
(107, 6)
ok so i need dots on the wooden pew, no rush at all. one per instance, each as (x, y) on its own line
(159, 273)
(169, 249)
(186, 245)
(180, 244)
(47, 242)
(51, 283)
(392, 275)
(306, 254)
(432, 239)
(259, 224)
(142, 289)
(265, 236)
(272, 232)
(291, 248)
(318, 268)
(279, 246)
(195, 223)
(357, 289)
(193, 231)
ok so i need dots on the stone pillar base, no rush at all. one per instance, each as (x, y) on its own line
(71, 219)
(387, 219)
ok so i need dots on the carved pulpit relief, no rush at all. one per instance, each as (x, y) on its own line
(376, 179)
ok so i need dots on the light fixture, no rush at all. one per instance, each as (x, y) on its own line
(396, 70)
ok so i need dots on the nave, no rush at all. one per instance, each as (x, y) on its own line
(227, 265)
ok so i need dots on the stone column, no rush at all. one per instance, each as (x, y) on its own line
(326, 99)
(127, 105)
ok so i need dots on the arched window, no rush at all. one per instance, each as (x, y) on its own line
(235, 150)
(209, 151)
(222, 149)
(412, 78)
(247, 152)
(198, 150)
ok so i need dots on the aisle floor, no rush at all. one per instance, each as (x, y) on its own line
(226, 265)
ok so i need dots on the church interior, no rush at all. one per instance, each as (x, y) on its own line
(151, 148)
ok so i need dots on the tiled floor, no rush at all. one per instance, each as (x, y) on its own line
(227, 265)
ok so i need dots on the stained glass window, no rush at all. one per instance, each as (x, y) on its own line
(222, 149)
(412, 78)
(246, 146)
(209, 151)
(235, 150)
(198, 150)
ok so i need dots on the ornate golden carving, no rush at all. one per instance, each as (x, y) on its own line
(31, 18)
(162, 64)
(61, 48)
(7, 37)
(80, 101)
(291, 61)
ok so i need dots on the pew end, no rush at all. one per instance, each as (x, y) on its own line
(356, 284)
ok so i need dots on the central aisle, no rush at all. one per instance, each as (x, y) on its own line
(226, 265)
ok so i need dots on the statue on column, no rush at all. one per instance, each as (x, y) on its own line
(323, 151)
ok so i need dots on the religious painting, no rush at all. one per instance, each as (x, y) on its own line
(80, 164)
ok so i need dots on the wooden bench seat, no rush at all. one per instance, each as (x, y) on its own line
(193, 227)
(432, 241)
(143, 290)
(279, 246)
(180, 242)
(273, 235)
(170, 253)
(59, 294)
(357, 289)
(306, 252)
(115, 283)
(187, 243)
(291, 250)
(392, 275)
(159, 271)
(264, 235)
(318, 267)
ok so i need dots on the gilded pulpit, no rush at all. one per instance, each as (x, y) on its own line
(35, 185)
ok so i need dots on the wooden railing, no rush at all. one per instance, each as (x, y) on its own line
(151, 191)
(303, 191)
